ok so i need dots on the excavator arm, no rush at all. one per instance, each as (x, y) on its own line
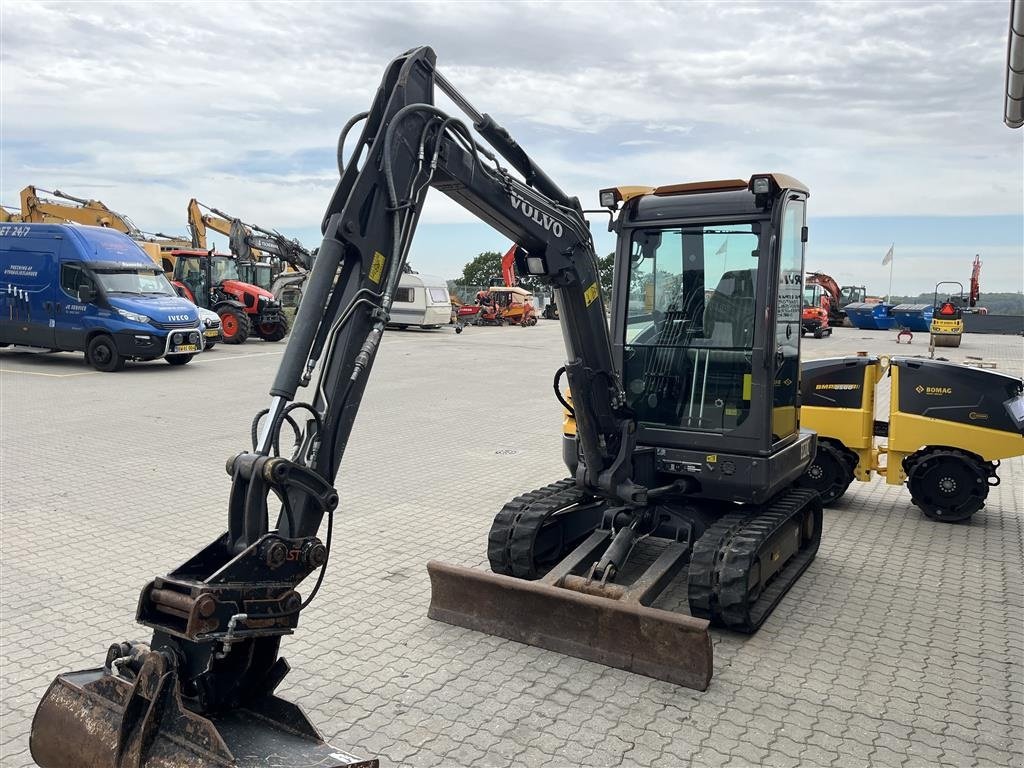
(204, 684)
(246, 241)
(79, 210)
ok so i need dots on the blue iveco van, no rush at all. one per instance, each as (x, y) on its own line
(92, 290)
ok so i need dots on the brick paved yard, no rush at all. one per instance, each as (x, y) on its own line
(900, 646)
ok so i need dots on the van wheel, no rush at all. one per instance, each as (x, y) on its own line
(178, 359)
(102, 355)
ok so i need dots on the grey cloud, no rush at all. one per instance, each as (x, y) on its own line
(856, 98)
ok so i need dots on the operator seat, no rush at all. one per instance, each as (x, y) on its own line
(729, 313)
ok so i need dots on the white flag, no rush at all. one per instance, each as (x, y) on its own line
(888, 255)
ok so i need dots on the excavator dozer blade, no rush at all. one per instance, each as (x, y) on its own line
(619, 633)
(93, 719)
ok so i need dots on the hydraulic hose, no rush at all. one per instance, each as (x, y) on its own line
(558, 392)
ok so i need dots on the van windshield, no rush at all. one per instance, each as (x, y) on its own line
(134, 281)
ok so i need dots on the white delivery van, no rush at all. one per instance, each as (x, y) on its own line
(421, 300)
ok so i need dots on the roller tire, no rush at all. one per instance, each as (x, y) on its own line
(831, 472)
(947, 485)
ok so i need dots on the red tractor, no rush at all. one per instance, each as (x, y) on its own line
(211, 281)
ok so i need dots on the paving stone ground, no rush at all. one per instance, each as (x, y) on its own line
(900, 646)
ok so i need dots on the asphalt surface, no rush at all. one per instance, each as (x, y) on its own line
(900, 646)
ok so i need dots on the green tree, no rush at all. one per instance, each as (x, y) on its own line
(485, 270)
(482, 270)
(606, 275)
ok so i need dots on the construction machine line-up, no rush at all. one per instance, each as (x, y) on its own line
(262, 254)
(63, 207)
(687, 433)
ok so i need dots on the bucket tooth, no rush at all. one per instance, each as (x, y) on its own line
(620, 633)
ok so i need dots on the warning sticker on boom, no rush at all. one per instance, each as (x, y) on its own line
(590, 295)
(377, 266)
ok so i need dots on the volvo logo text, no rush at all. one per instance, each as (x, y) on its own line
(551, 225)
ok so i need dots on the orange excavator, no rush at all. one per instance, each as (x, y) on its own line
(838, 297)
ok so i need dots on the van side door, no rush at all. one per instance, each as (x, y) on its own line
(28, 269)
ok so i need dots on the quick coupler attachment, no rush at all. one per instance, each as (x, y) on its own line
(130, 714)
(579, 616)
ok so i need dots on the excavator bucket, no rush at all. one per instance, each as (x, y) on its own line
(609, 624)
(95, 719)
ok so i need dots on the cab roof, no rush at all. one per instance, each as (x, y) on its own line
(95, 245)
(723, 197)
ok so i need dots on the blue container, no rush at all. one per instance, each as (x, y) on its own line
(870, 317)
(915, 317)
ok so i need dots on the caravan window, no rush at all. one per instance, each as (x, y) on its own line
(439, 296)
(405, 295)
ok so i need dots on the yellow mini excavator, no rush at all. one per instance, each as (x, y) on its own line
(688, 446)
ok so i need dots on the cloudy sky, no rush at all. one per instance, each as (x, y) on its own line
(890, 112)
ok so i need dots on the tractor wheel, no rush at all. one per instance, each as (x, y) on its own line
(234, 325)
(272, 331)
(948, 485)
(103, 356)
(831, 472)
(178, 359)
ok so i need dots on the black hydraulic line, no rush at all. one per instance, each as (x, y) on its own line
(509, 148)
(353, 121)
(558, 392)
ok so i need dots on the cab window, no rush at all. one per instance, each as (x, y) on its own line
(690, 324)
(72, 277)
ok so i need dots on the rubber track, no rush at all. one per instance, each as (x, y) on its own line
(515, 527)
(701, 580)
(723, 556)
(733, 570)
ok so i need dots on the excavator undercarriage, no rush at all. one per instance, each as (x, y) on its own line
(685, 451)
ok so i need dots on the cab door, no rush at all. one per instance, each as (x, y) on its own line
(788, 305)
(28, 263)
(70, 311)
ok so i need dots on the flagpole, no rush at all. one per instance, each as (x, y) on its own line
(892, 263)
